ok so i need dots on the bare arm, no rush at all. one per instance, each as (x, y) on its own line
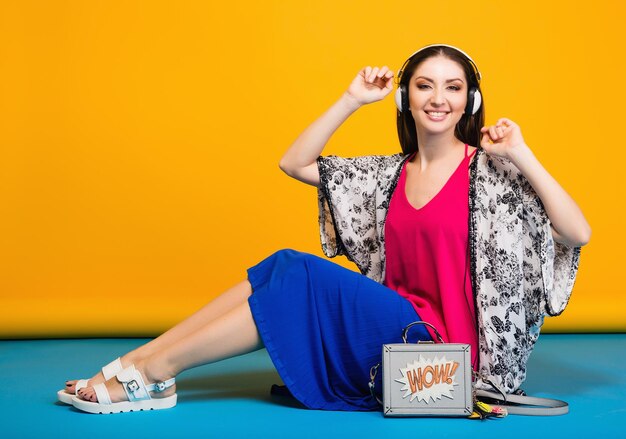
(300, 160)
(569, 225)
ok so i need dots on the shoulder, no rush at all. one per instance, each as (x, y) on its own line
(495, 165)
(498, 175)
(364, 171)
(376, 158)
(365, 164)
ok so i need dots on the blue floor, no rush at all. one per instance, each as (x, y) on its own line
(231, 399)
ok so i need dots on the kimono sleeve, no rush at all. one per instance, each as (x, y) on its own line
(345, 200)
(558, 262)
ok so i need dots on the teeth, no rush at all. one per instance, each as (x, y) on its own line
(436, 113)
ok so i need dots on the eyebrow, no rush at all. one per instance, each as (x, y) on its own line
(449, 80)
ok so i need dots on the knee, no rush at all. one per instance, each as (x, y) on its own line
(295, 255)
(288, 253)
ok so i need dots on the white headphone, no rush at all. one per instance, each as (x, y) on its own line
(474, 98)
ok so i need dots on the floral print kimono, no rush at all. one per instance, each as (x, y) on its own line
(519, 273)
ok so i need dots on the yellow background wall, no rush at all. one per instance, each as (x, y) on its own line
(139, 141)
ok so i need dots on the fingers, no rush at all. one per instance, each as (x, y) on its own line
(497, 131)
(492, 132)
(505, 122)
(387, 76)
(374, 74)
(371, 84)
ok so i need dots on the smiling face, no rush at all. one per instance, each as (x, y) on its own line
(437, 95)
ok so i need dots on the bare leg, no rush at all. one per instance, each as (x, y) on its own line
(219, 306)
(229, 335)
(234, 333)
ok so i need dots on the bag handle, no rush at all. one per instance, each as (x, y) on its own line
(406, 330)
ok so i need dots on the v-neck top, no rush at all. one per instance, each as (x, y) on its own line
(427, 256)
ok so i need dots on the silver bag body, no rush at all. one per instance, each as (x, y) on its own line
(427, 379)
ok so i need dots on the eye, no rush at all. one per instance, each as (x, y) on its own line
(426, 86)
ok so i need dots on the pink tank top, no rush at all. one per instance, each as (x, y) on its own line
(427, 256)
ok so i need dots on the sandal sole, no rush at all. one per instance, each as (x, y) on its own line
(64, 397)
(125, 406)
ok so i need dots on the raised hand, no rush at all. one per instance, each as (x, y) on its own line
(502, 139)
(371, 84)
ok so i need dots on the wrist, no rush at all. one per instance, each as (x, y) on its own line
(350, 102)
(521, 155)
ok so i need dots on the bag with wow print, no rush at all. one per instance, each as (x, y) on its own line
(435, 379)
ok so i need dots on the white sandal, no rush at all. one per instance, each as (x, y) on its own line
(137, 391)
(108, 371)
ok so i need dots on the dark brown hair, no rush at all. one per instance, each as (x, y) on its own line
(467, 130)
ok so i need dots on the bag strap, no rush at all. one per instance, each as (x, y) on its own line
(534, 406)
(405, 331)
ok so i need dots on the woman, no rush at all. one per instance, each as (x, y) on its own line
(482, 242)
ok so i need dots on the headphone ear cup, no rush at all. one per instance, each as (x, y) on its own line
(399, 97)
(474, 100)
(478, 100)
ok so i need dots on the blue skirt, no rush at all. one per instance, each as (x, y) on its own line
(324, 326)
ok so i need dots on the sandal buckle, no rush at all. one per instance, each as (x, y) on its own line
(132, 386)
(159, 387)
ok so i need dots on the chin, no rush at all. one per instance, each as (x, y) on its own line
(435, 127)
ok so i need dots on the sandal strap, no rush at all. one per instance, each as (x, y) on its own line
(160, 387)
(80, 384)
(135, 387)
(102, 393)
(112, 368)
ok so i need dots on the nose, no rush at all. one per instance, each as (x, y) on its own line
(437, 97)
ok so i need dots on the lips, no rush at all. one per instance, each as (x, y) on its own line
(437, 115)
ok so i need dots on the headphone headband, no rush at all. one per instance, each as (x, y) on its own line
(474, 66)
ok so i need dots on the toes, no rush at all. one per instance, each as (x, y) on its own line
(88, 394)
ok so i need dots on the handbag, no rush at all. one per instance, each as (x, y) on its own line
(435, 379)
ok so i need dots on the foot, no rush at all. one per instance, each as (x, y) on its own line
(126, 360)
(116, 391)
